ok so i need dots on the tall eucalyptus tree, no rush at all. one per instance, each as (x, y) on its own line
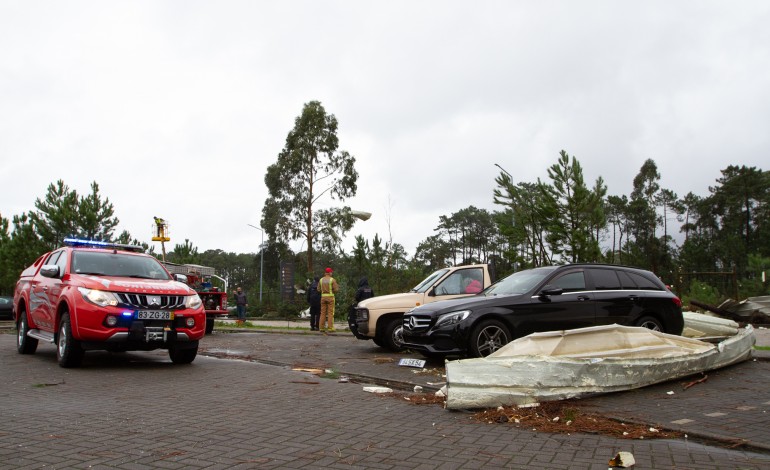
(310, 167)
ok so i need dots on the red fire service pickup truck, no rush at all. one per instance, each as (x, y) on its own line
(102, 296)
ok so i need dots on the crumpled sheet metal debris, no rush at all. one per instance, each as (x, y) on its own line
(757, 308)
(699, 325)
(602, 342)
(566, 364)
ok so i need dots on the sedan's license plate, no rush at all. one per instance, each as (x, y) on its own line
(155, 315)
(419, 363)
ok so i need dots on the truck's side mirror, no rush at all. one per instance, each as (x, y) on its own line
(181, 278)
(50, 270)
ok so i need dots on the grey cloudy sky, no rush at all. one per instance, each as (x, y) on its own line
(176, 108)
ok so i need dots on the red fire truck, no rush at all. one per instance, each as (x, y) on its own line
(199, 278)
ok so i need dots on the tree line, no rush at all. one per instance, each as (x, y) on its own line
(695, 243)
(539, 223)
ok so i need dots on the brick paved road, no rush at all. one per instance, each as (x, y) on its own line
(730, 405)
(137, 410)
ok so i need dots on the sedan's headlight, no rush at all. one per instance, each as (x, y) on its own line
(452, 318)
(99, 297)
(193, 301)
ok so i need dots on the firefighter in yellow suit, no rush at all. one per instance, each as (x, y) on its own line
(327, 286)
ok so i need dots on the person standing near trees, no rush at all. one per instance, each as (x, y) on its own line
(328, 287)
(314, 300)
(240, 305)
(364, 292)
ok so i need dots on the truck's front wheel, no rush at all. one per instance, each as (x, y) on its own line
(68, 350)
(392, 336)
(182, 356)
(24, 343)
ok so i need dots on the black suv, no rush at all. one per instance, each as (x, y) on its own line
(542, 299)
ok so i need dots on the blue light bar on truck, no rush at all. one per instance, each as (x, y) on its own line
(78, 242)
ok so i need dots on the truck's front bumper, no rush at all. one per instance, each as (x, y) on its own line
(141, 338)
(358, 321)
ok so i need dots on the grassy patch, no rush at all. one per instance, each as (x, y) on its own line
(271, 327)
(762, 348)
(248, 324)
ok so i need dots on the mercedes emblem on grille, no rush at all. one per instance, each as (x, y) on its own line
(154, 300)
(412, 323)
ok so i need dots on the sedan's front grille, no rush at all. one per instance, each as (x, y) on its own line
(145, 301)
(417, 323)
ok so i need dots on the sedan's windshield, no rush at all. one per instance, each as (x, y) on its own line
(429, 281)
(117, 265)
(520, 282)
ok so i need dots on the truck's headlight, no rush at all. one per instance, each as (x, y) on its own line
(452, 318)
(193, 301)
(99, 297)
(362, 313)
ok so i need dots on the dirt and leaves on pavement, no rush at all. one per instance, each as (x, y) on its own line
(564, 417)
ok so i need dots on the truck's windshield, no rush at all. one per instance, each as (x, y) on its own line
(429, 281)
(117, 265)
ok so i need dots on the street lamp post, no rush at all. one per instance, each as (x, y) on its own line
(504, 170)
(261, 258)
(361, 215)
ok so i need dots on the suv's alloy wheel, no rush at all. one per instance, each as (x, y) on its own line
(488, 337)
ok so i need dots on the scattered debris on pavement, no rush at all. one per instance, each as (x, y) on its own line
(622, 460)
(562, 417)
(417, 398)
(308, 369)
(566, 417)
(695, 382)
(433, 371)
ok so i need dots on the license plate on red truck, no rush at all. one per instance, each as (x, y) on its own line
(155, 315)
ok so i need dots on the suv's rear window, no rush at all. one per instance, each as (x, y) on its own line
(643, 283)
(626, 281)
